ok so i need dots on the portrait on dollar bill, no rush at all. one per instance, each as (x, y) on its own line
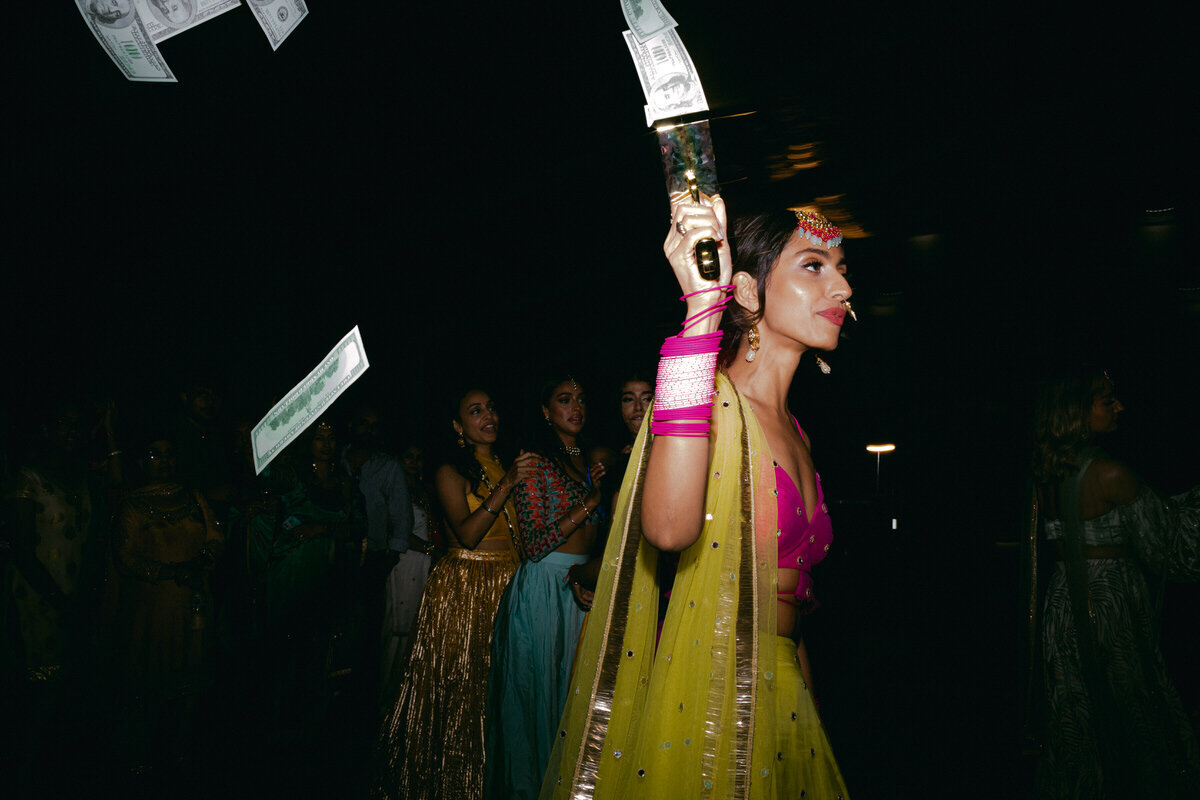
(677, 91)
(173, 13)
(111, 13)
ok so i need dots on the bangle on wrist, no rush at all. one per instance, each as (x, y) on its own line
(716, 308)
(571, 518)
(484, 506)
(683, 392)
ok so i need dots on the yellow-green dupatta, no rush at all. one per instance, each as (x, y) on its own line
(681, 723)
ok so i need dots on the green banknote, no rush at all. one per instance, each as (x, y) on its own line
(121, 33)
(308, 399)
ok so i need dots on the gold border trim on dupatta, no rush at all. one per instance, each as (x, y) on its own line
(747, 620)
(595, 725)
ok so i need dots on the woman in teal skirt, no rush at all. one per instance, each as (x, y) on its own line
(540, 614)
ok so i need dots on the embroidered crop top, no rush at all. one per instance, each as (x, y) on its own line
(802, 544)
(542, 499)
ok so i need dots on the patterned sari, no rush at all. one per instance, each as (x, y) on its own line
(1115, 725)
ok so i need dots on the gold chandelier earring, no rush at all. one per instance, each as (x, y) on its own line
(461, 441)
(752, 339)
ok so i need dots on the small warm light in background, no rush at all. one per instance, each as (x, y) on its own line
(879, 450)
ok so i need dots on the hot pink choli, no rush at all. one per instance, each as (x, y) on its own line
(802, 544)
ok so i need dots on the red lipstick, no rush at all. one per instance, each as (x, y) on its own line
(834, 315)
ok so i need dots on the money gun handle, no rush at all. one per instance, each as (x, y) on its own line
(707, 261)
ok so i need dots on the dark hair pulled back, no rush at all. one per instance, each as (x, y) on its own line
(758, 240)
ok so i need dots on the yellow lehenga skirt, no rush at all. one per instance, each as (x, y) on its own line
(804, 761)
(431, 742)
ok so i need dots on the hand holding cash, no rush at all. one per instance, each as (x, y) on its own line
(690, 223)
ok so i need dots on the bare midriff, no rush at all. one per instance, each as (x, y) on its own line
(579, 542)
(490, 544)
(785, 624)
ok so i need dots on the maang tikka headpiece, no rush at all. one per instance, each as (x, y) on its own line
(817, 229)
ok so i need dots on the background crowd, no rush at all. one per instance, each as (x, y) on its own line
(145, 646)
(172, 619)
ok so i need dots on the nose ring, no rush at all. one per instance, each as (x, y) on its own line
(849, 310)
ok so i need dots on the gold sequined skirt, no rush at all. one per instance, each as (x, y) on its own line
(431, 742)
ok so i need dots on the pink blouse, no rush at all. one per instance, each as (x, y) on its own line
(802, 544)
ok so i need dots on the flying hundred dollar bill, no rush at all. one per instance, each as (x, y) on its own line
(669, 78)
(308, 399)
(646, 18)
(278, 18)
(120, 31)
(165, 18)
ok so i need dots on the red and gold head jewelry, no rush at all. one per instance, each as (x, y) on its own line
(817, 229)
(324, 427)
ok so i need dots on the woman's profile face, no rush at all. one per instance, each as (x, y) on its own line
(1105, 407)
(805, 290)
(636, 397)
(567, 408)
(175, 11)
(477, 420)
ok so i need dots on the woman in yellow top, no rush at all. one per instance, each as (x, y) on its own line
(431, 744)
(720, 707)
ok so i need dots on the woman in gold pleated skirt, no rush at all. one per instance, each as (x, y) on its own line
(431, 742)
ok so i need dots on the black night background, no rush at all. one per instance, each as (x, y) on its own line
(477, 190)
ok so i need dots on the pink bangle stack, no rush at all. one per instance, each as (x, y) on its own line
(683, 392)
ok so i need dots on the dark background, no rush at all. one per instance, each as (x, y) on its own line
(478, 192)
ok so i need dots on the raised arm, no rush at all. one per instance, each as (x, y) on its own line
(677, 473)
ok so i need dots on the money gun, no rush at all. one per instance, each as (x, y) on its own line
(689, 166)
